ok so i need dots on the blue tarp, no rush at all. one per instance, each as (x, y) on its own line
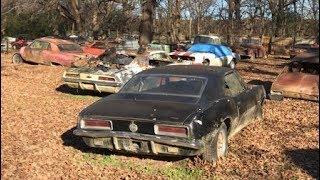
(218, 50)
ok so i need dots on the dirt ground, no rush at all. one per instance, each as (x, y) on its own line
(38, 115)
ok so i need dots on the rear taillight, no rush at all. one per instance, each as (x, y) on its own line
(98, 124)
(103, 78)
(72, 75)
(169, 130)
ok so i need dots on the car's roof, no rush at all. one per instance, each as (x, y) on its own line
(55, 40)
(189, 70)
(210, 36)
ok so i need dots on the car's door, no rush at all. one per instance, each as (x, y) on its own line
(28, 51)
(35, 51)
(44, 53)
(241, 94)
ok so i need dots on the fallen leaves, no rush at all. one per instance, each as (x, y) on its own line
(38, 117)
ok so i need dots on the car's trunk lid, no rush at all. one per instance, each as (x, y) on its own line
(135, 108)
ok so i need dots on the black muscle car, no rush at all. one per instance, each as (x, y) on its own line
(173, 110)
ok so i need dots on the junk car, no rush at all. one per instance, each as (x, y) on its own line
(208, 54)
(112, 72)
(173, 110)
(50, 51)
(250, 48)
(96, 48)
(299, 79)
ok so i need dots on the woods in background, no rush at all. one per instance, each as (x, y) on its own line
(161, 20)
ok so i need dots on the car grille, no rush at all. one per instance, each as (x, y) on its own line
(143, 127)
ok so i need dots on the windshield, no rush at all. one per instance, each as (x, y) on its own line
(69, 47)
(165, 85)
(304, 67)
(205, 40)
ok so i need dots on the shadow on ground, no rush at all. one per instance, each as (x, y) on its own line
(69, 139)
(257, 71)
(306, 159)
(264, 64)
(265, 84)
(67, 90)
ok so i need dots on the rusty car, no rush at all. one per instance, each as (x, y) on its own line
(299, 79)
(50, 51)
(174, 110)
(96, 48)
(112, 71)
(250, 48)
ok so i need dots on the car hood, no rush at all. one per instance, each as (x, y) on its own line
(142, 108)
(298, 83)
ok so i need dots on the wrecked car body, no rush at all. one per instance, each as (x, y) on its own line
(300, 79)
(112, 73)
(250, 48)
(50, 51)
(173, 110)
(207, 54)
(96, 48)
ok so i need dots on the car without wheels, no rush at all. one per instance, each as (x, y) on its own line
(299, 79)
(50, 51)
(181, 110)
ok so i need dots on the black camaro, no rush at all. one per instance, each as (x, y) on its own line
(173, 110)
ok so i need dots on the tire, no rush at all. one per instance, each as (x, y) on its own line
(232, 64)
(48, 63)
(216, 144)
(206, 62)
(17, 59)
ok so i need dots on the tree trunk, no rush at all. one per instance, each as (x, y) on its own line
(95, 23)
(230, 20)
(76, 14)
(146, 24)
(190, 28)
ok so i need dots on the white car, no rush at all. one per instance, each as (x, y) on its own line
(208, 54)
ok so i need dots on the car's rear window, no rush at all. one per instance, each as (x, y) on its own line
(70, 47)
(165, 85)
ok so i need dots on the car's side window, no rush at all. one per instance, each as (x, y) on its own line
(45, 45)
(232, 84)
(35, 45)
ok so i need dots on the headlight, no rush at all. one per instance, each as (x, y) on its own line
(71, 75)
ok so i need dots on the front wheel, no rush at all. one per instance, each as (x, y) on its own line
(17, 59)
(216, 145)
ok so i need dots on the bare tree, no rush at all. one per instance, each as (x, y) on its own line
(146, 24)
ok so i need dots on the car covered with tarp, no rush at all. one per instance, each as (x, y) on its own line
(208, 54)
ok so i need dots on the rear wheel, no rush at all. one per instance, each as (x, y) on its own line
(206, 62)
(17, 59)
(216, 145)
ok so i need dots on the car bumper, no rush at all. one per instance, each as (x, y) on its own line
(111, 87)
(140, 143)
(276, 95)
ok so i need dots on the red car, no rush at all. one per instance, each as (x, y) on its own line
(96, 48)
(50, 51)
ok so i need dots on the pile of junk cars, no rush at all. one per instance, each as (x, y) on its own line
(166, 101)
